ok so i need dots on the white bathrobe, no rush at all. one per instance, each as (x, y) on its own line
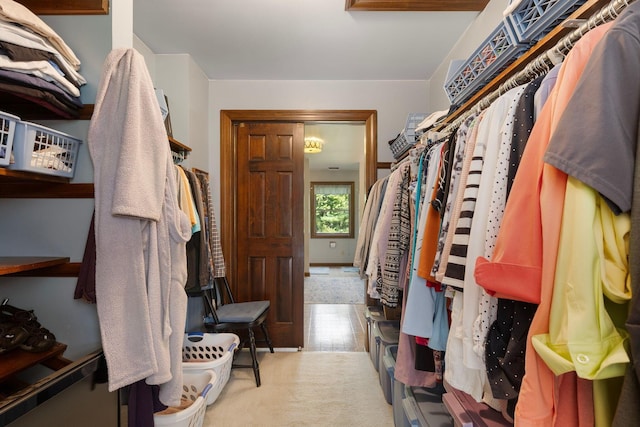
(140, 231)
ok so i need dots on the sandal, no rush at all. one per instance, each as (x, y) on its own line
(11, 336)
(38, 339)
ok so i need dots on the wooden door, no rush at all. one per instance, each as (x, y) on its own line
(270, 239)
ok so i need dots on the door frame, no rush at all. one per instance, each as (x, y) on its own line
(229, 164)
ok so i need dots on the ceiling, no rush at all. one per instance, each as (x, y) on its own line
(299, 39)
(302, 39)
(343, 146)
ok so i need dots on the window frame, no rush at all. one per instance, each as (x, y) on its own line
(312, 210)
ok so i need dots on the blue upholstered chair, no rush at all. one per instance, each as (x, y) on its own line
(226, 315)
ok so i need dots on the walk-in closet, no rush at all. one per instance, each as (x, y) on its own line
(323, 213)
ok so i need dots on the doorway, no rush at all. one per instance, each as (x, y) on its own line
(231, 171)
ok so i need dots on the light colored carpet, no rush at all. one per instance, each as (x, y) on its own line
(303, 389)
(334, 290)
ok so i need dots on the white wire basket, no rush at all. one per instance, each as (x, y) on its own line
(196, 388)
(7, 130)
(210, 351)
(43, 150)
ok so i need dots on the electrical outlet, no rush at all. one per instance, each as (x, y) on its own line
(332, 245)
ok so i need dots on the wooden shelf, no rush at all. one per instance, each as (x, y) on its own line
(68, 269)
(178, 146)
(10, 265)
(16, 396)
(23, 185)
(32, 190)
(18, 360)
(10, 175)
(67, 7)
(29, 110)
(416, 5)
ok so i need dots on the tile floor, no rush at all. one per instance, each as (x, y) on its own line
(334, 327)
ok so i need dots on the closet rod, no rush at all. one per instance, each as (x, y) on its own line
(543, 62)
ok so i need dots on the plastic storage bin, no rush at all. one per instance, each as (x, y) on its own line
(42, 150)
(494, 54)
(210, 351)
(7, 131)
(465, 411)
(197, 386)
(531, 20)
(399, 416)
(386, 333)
(407, 137)
(424, 408)
(389, 366)
(372, 314)
(374, 344)
(397, 388)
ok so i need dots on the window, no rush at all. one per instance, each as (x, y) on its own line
(332, 209)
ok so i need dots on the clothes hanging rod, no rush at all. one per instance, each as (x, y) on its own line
(545, 61)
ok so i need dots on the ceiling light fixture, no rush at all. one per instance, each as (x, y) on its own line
(313, 145)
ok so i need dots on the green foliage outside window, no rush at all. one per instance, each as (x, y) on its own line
(332, 213)
(332, 209)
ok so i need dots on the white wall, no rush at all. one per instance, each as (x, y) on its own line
(393, 100)
(478, 31)
(186, 87)
(149, 56)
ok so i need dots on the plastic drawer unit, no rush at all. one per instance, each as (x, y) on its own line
(385, 333)
(423, 407)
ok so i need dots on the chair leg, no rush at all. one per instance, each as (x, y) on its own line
(254, 357)
(263, 326)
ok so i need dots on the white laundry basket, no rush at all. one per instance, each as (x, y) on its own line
(196, 388)
(204, 351)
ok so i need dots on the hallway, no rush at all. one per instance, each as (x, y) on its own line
(338, 327)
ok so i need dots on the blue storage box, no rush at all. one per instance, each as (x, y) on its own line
(531, 20)
(498, 51)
